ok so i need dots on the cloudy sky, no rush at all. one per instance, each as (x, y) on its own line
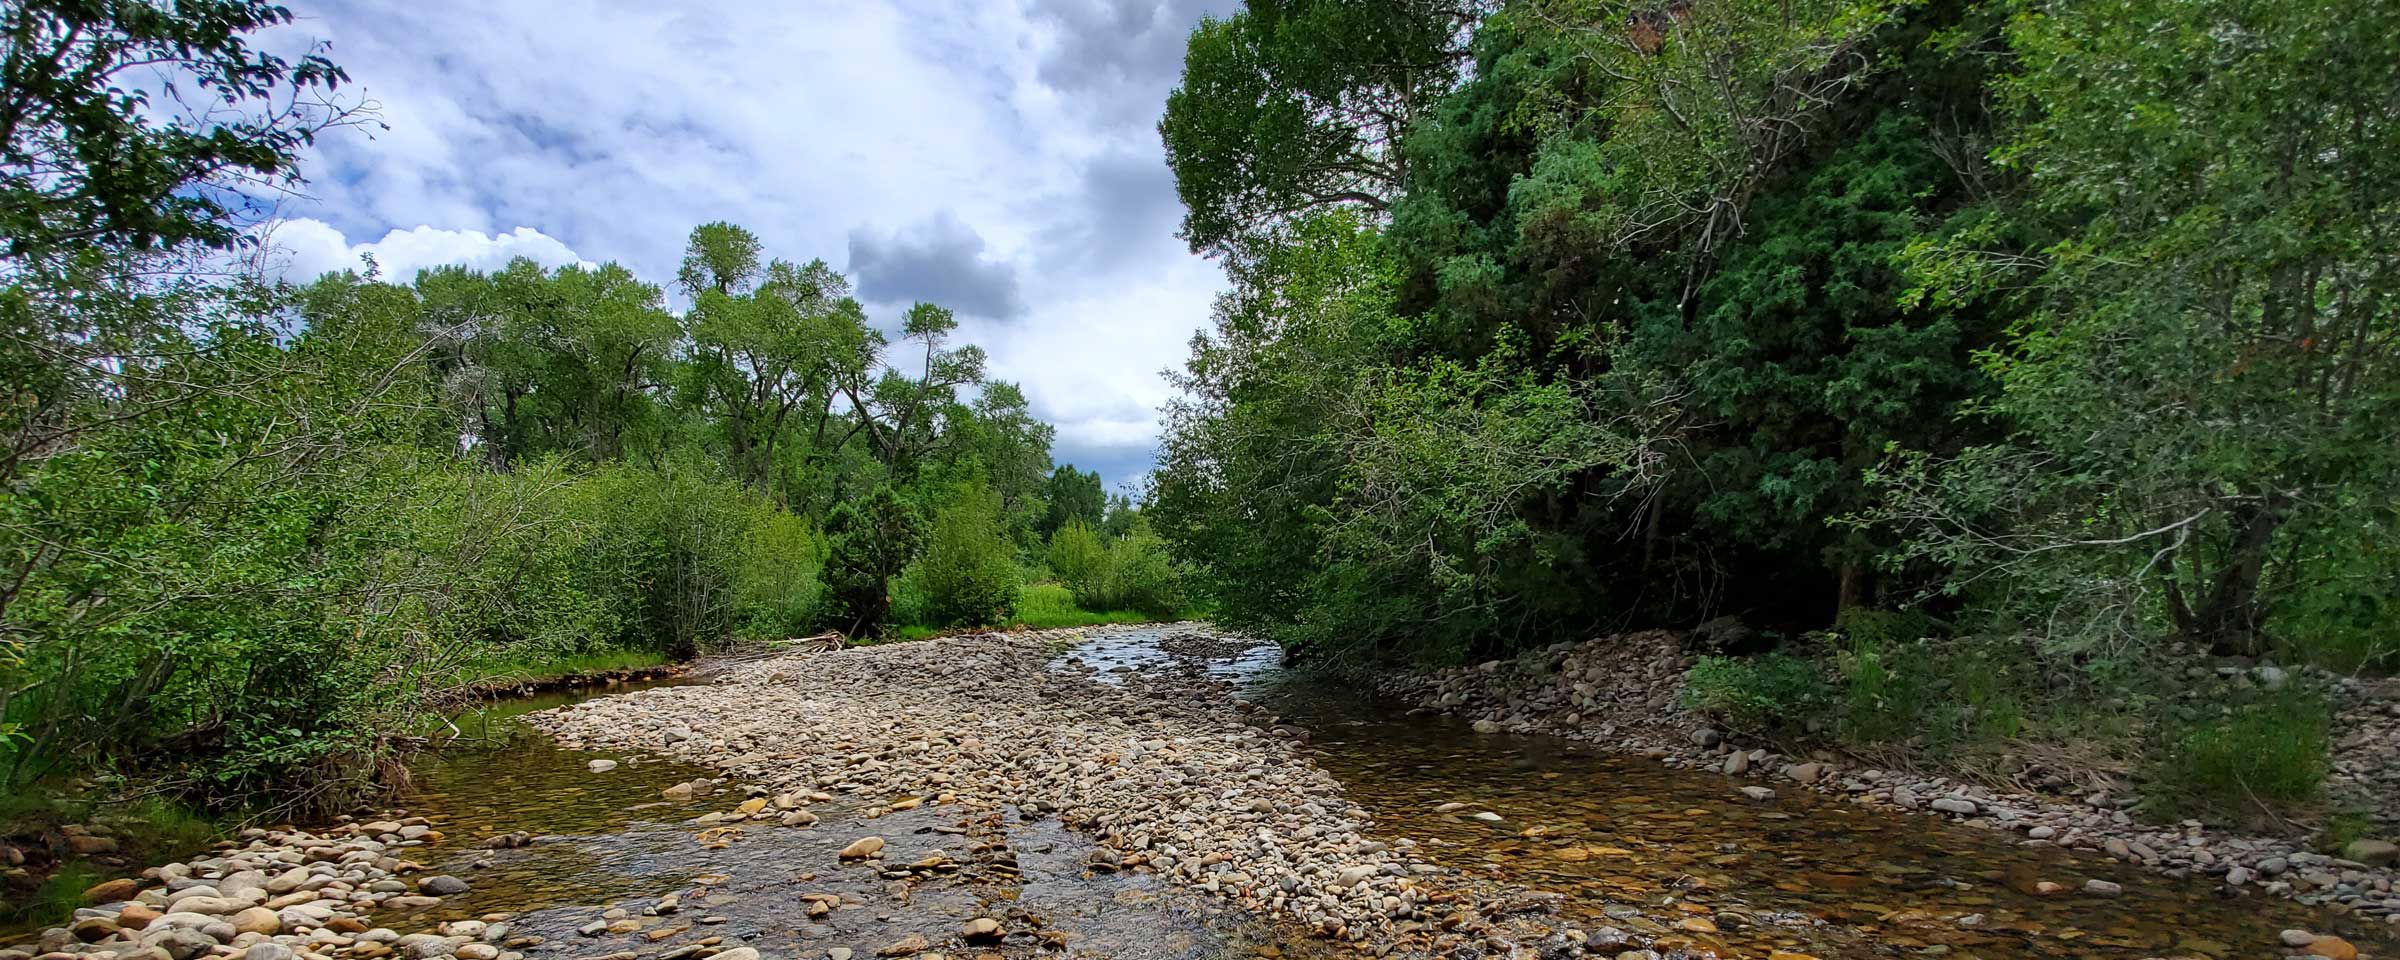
(999, 158)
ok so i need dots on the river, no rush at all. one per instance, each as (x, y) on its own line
(1624, 840)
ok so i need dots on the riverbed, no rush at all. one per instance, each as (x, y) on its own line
(1665, 857)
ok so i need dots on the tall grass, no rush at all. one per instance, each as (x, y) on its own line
(1047, 606)
(2248, 763)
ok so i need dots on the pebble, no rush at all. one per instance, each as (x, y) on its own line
(1636, 679)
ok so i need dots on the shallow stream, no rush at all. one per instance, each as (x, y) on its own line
(1629, 842)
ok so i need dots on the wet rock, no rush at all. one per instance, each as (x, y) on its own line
(1955, 805)
(443, 886)
(2103, 888)
(1485, 726)
(601, 766)
(1759, 794)
(862, 848)
(907, 946)
(982, 929)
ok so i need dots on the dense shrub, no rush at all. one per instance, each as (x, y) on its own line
(1133, 572)
(1770, 693)
(969, 572)
(1077, 557)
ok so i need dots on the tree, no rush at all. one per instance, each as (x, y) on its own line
(2204, 386)
(969, 571)
(907, 419)
(872, 539)
(91, 157)
(1072, 497)
(767, 345)
(1294, 105)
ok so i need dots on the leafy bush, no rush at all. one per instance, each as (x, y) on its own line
(776, 581)
(1077, 557)
(1132, 573)
(969, 573)
(1773, 692)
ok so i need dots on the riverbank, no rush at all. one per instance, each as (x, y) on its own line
(1625, 693)
(1163, 768)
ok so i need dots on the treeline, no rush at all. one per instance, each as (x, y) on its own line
(253, 530)
(2067, 321)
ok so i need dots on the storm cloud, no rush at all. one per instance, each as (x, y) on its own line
(940, 261)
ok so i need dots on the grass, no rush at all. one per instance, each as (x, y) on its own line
(1048, 606)
(2248, 763)
(151, 828)
(54, 902)
(526, 669)
(1040, 606)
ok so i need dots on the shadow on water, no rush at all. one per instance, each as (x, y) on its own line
(1803, 872)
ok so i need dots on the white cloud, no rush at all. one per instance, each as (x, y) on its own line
(303, 249)
(605, 130)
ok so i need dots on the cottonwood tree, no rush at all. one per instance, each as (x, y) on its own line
(1293, 105)
(768, 344)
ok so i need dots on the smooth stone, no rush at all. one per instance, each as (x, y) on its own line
(601, 766)
(443, 886)
(862, 848)
(2373, 853)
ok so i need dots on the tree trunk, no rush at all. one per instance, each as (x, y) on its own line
(2228, 618)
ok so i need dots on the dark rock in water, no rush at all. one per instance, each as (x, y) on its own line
(442, 886)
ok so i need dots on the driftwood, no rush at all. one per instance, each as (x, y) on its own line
(827, 642)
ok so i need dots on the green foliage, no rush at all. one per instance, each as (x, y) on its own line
(1049, 606)
(870, 542)
(253, 531)
(1300, 104)
(90, 160)
(2245, 762)
(1771, 694)
(969, 572)
(1077, 556)
(1075, 497)
(2201, 385)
